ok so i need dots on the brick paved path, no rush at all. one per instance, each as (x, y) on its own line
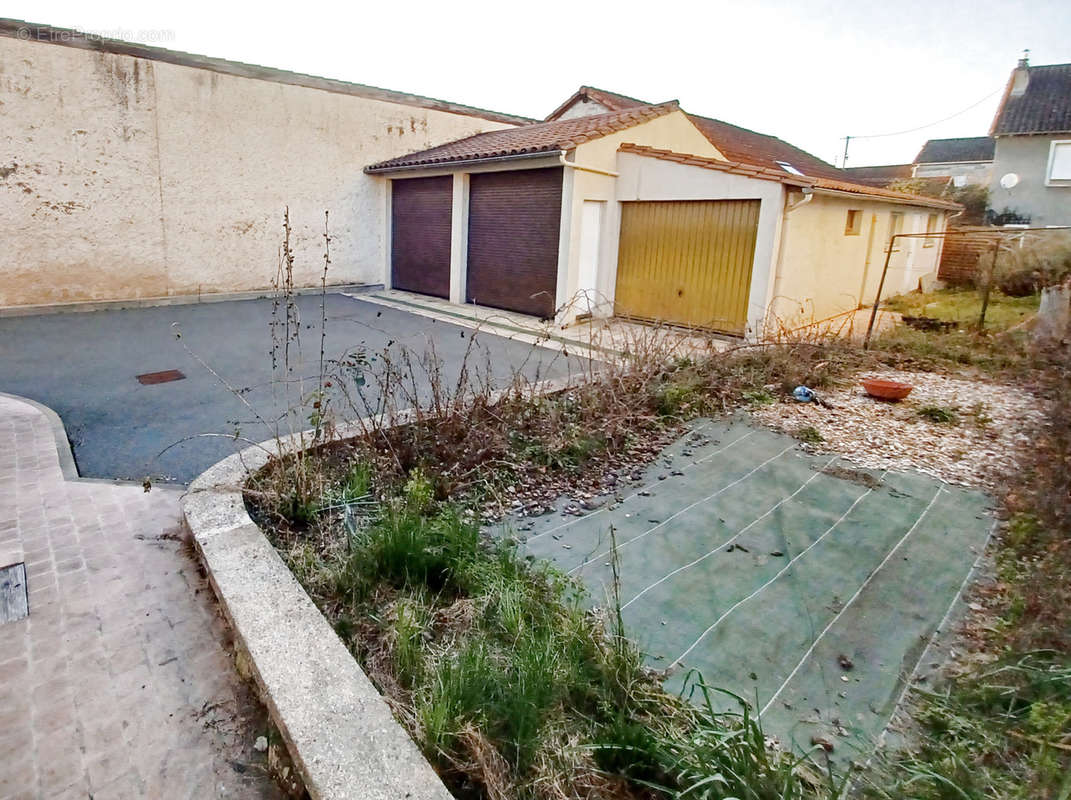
(118, 684)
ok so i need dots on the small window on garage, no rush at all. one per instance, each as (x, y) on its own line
(931, 227)
(896, 225)
(854, 224)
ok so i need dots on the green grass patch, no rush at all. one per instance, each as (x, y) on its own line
(759, 397)
(510, 683)
(999, 732)
(964, 306)
(940, 415)
(809, 434)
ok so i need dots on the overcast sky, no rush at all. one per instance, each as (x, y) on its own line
(807, 71)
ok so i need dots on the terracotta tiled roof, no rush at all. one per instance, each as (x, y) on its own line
(972, 148)
(544, 137)
(735, 143)
(740, 144)
(1045, 106)
(734, 167)
(878, 176)
(763, 173)
(877, 191)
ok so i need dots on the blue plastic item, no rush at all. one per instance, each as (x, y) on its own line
(804, 395)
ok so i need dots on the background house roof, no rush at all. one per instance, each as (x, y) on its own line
(1045, 106)
(878, 176)
(735, 143)
(610, 100)
(66, 37)
(972, 148)
(543, 137)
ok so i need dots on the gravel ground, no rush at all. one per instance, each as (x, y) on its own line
(981, 445)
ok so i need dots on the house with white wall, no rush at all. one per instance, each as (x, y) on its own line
(966, 160)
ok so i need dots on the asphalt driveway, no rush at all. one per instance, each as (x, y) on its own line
(84, 366)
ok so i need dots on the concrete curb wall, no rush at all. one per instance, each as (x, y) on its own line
(338, 729)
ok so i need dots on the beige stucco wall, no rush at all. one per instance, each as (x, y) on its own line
(124, 177)
(823, 272)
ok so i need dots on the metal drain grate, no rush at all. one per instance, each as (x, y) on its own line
(13, 601)
(166, 376)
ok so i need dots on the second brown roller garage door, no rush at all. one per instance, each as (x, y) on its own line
(514, 220)
(420, 235)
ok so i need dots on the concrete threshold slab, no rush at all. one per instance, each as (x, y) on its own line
(610, 337)
(508, 325)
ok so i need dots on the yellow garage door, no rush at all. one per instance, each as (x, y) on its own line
(687, 262)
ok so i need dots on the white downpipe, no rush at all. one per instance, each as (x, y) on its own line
(808, 196)
(583, 168)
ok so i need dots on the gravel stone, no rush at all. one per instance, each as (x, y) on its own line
(985, 445)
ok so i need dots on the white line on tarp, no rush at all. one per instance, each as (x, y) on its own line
(853, 598)
(687, 508)
(781, 572)
(940, 626)
(707, 457)
(731, 540)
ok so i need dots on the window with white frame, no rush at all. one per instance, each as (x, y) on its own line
(931, 227)
(1059, 173)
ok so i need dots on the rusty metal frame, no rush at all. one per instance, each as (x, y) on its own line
(999, 235)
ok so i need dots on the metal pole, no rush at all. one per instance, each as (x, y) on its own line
(881, 285)
(844, 161)
(988, 285)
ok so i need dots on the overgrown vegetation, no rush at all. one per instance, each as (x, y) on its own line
(964, 306)
(494, 664)
(974, 197)
(1003, 729)
(513, 688)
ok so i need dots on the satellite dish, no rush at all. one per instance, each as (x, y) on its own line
(1010, 181)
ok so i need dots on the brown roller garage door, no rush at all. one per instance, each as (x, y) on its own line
(514, 219)
(420, 234)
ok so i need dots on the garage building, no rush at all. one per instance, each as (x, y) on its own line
(638, 213)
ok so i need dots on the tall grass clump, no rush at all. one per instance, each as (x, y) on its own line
(511, 683)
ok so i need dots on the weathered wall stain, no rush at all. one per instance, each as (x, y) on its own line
(153, 179)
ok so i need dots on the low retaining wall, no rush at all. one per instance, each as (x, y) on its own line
(338, 729)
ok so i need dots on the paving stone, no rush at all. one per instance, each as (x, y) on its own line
(84, 707)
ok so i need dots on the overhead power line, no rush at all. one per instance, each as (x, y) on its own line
(848, 139)
(931, 124)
